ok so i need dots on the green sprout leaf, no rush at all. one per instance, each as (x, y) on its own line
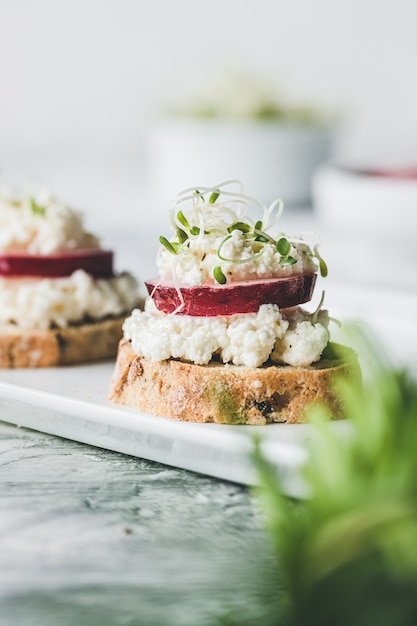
(287, 260)
(258, 225)
(36, 208)
(283, 246)
(182, 219)
(182, 235)
(171, 246)
(214, 196)
(194, 230)
(244, 228)
(323, 268)
(219, 276)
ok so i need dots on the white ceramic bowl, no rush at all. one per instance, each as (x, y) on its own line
(271, 159)
(361, 200)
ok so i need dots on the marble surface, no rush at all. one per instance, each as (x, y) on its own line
(89, 536)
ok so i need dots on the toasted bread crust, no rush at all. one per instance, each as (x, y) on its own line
(59, 346)
(227, 394)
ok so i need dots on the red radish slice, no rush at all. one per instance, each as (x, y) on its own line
(98, 263)
(232, 298)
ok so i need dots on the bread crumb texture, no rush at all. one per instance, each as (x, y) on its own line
(226, 393)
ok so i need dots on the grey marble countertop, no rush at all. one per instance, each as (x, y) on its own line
(89, 536)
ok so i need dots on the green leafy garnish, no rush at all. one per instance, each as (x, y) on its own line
(36, 208)
(182, 235)
(214, 196)
(283, 246)
(171, 246)
(182, 219)
(219, 276)
(287, 260)
(347, 550)
(323, 268)
(221, 219)
(244, 228)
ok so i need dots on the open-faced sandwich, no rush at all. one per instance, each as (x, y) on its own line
(223, 337)
(60, 300)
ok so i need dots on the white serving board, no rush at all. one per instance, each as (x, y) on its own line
(71, 402)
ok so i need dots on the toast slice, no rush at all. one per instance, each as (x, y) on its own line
(77, 343)
(229, 394)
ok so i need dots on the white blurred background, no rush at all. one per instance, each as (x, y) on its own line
(82, 81)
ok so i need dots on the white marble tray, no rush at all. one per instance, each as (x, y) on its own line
(71, 402)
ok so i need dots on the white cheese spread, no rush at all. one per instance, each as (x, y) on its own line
(194, 266)
(288, 336)
(46, 302)
(216, 242)
(40, 225)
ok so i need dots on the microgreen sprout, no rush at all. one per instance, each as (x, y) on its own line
(214, 196)
(219, 212)
(219, 275)
(244, 228)
(171, 246)
(315, 315)
(35, 207)
(283, 246)
(322, 264)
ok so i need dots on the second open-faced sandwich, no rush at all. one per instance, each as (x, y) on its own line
(61, 301)
(223, 336)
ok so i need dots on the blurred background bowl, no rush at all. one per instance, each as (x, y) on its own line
(273, 159)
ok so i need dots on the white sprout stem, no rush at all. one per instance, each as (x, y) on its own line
(237, 261)
(318, 308)
(267, 221)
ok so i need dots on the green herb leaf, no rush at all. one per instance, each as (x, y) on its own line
(261, 238)
(323, 268)
(182, 219)
(194, 230)
(171, 246)
(214, 196)
(219, 276)
(258, 225)
(182, 235)
(36, 208)
(244, 228)
(283, 246)
(287, 260)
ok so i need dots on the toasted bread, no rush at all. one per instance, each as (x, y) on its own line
(226, 393)
(77, 343)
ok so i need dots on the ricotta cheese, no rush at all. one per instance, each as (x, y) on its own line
(40, 226)
(47, 302)
(248, 339)
(194, 266)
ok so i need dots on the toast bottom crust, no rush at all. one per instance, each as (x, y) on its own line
(79, 343)
(226, 394)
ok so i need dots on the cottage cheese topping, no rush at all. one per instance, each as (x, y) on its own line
(194, 266)
(40, 225)
(249, 339)
(43, 303)
(216, 242)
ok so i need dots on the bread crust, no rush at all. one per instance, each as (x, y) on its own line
(73, 344)
(224, 393)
